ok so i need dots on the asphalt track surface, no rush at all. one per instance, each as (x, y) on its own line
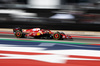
(19, 52)
(83, 40)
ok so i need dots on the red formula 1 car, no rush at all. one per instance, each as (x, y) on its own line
(40, 33)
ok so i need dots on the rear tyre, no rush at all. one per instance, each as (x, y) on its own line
(57, 36)
(19, 34)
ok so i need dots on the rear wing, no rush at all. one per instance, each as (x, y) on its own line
(17, 29)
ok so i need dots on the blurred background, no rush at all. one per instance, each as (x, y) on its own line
(51, 14)
(78, 18)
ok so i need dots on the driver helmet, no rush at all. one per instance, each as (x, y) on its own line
(36, 29)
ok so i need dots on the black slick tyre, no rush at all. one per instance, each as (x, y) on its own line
(18, 34)
(57, 36)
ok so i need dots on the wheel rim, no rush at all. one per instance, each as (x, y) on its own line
(18, 34)
(56, 36)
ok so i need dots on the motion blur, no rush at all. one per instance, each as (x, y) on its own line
(49, 33)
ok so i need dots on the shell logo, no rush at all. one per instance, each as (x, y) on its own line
(38, 34)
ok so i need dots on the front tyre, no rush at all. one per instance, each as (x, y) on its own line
(57, 36)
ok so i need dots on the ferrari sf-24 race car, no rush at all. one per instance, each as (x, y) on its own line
(40, 34)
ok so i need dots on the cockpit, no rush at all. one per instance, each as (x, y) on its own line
(36, 29)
